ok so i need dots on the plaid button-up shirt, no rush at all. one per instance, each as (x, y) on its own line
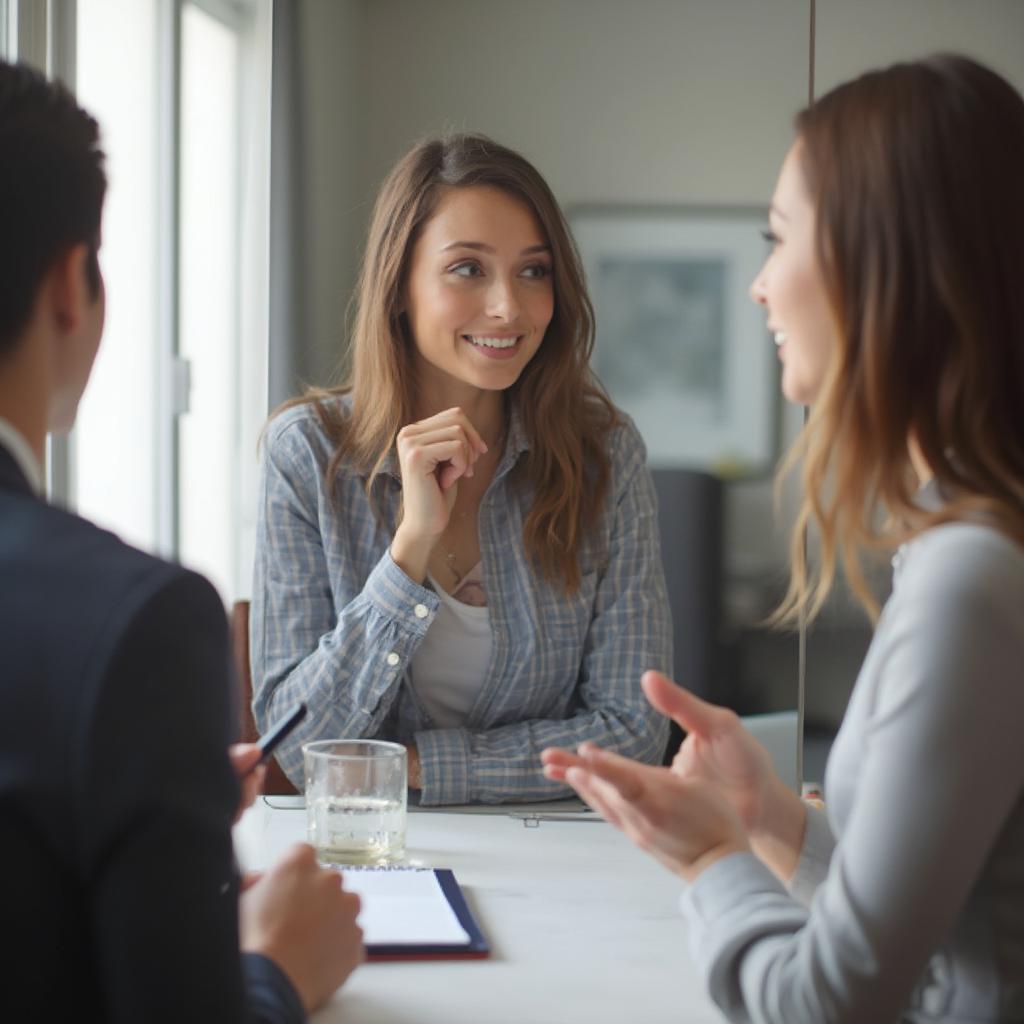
(336, 623)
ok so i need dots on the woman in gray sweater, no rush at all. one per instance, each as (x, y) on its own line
(894, 293)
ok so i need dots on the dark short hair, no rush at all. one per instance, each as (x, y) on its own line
(52, 185)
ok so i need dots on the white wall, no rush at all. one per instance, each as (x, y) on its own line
(854, 37)
(659, 101)
(331, 38)
(656, 101)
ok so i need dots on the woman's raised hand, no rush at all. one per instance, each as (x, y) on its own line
(434, 454)
(684, 824)
(717, 749)
(718, 760)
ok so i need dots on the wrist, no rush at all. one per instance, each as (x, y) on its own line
(411, 553)
(779, 837)
(698, 866)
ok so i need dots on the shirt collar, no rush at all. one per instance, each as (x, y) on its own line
(21, 452)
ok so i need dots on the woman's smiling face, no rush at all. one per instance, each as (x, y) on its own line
(791, 288)
(479, 293)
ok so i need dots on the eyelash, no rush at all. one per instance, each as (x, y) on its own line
(770, 237)
(543, 270)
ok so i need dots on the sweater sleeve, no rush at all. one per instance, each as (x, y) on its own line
(815, 856)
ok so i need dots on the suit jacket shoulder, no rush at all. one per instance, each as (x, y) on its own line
(116, 794)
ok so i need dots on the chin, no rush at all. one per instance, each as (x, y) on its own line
(494, 381)
(798, 392)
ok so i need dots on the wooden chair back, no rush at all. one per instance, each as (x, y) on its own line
(277, 784)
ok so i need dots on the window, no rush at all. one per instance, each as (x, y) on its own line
(164, 450)
(115, 446)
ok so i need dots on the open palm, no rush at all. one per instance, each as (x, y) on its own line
(723, 754)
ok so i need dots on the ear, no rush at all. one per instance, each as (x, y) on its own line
(67, 283)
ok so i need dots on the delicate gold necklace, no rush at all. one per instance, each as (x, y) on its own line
(450, 558)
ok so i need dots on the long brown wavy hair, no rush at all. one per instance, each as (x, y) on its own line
(917, 175)
(565, 412)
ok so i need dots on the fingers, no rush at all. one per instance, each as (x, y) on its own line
(599, 795)
(299, 855)
(624, 775)
(556, 761)
(692, 713)
(424, 455)
(252, 786)
(416, 443)
(301, 917)
(558, 756)
(249, 879)
(243, 757)
(454, 416)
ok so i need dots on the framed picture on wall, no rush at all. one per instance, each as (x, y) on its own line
(680, 346)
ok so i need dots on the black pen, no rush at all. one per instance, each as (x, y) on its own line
(272, 739)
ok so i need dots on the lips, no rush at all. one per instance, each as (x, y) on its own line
(495, 346)
(493, 341)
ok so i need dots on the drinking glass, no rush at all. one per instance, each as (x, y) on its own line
(356, 800)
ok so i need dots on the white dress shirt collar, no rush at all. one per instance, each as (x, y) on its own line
(22, 453)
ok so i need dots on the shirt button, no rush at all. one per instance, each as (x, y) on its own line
(393, 659)
(421, 611)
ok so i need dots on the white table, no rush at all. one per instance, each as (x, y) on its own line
(582, 927)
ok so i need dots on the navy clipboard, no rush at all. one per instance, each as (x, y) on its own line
(475, 949)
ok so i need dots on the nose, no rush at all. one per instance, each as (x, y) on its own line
(758, 292)
(502, 300)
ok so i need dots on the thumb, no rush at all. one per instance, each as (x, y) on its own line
(249, 879)
(243, 757)
(692, 713)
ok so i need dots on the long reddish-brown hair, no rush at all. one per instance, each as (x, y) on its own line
(564, 411)
(917, 175)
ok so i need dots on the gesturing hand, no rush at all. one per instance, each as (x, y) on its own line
(684, 824)
(719, 761)
(717, 749)
(243, 757)
(300, 916)
(434, 454)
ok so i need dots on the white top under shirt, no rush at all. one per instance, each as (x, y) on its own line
(447, 671)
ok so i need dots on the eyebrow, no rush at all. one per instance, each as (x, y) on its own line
(483, 247)
(778, 213)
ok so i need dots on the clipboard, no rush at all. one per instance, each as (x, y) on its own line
(475, 948)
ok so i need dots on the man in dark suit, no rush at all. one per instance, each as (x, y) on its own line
(117, 794)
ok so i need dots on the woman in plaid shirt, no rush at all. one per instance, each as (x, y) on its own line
(458, 548)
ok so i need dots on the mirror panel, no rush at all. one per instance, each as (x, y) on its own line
(659, 103)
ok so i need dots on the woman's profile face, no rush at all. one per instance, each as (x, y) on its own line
(480, 293)
(791, 288)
